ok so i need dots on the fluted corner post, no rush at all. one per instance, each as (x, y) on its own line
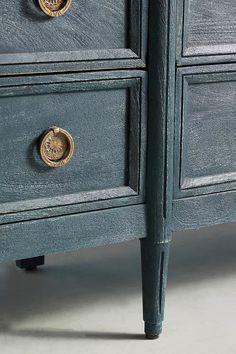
(160, 156)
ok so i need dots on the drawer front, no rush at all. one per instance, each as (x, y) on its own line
(89, 31)
(104, 114)
(205, 130)
(208, 28)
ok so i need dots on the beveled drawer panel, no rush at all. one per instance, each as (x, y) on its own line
(89, 32)
(207, 29)
(105, 115)
(206, 130)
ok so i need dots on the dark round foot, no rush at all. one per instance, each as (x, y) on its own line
(31, 269)
(153, 330)
(151, 336)
(30, 264)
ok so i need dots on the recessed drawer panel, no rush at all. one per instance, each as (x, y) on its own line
(209, 27)
(88, 31)
(206, 131)
(104, 119)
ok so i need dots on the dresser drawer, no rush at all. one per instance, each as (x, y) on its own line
(206, 130)
(207, 28)
(105, 116)
(91, 34)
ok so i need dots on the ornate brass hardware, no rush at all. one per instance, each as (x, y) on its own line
(56, 147)
(54, 8)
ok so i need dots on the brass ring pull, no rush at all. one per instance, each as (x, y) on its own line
(56, 147)
(54, 8)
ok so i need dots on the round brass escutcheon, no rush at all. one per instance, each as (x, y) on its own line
(54, 8)
(56, 147)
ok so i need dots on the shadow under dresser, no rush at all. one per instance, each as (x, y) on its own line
(117, 123)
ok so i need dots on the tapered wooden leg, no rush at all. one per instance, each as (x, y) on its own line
(154, 277)
(30, 263)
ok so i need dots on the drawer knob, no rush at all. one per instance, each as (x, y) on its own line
(54, 8)
(56, 147)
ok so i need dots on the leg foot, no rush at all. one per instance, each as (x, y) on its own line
(153, 330)
(30, 263)
(154, 277)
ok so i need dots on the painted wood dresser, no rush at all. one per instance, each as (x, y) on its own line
(117, 122)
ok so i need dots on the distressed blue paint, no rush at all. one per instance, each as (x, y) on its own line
(149, 159)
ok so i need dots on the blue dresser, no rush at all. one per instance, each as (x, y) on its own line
(117, 122)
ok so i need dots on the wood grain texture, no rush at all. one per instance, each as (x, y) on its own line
(207, 29)
(87, 25)
(205, 132)
(70, 66)
(104, 117)
(155, 248)
(45, 212)
(204, 210)
(160, 123)
(34, 238)
(111, 200)
(89, 31)
(99, 160)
